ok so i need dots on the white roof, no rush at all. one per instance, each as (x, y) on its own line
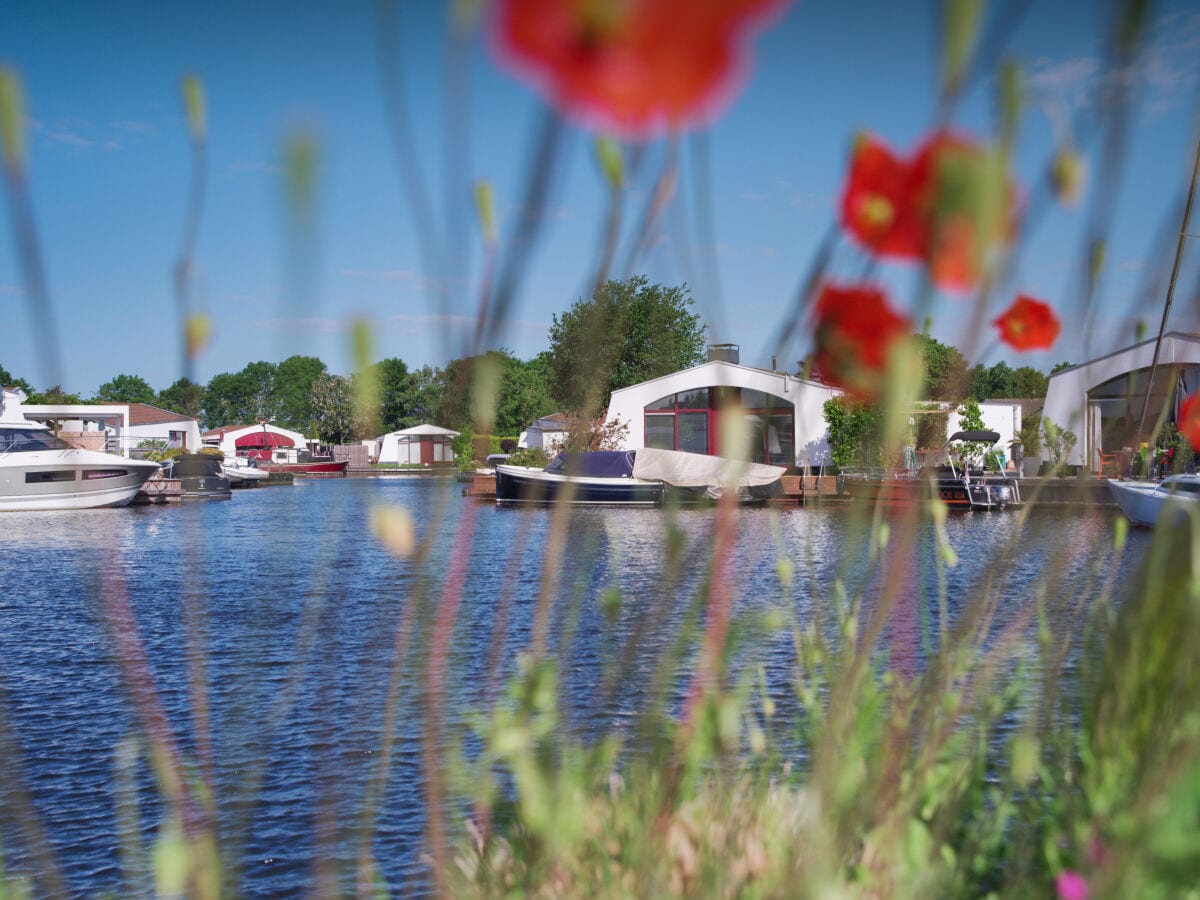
(424, 429)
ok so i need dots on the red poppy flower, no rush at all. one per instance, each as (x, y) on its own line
(879, 207)
(949, 206)
(633, 66)
(1189, 420)
(855, 330)
(1028, 324)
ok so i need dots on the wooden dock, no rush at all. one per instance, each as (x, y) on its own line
(158, 491)
(812, 489)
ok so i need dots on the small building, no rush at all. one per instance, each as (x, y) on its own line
(117, 427)
(1103, 401)
(427, 445)
(232, 439)
(548, 434)
(683, 411)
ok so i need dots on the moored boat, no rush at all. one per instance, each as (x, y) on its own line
(961, 489)
(298, 462)
(38, 470)
(242, 472)
(1144, 502)
(594, 477)
(200, 476)
(645, 477)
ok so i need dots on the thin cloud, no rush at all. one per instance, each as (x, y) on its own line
(1162, 76)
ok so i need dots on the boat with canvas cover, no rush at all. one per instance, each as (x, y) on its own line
(692, 477)
(645, 477)
(962, 488)
(38, 470)
(599, 476)
(1143, 502)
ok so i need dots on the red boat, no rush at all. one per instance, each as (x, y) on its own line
(298, 462)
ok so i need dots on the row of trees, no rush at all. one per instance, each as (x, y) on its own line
(630, 331)
(950, 379)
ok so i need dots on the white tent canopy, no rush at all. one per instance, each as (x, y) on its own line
(421, 444)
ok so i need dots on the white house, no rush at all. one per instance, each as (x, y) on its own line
(117, 427)
(548, 434)
(232, 438)
(1102, 401)
(683, 411)
(422, 444)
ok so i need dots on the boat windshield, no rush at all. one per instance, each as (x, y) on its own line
(16, 440)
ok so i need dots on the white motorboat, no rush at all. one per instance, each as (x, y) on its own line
(242, 471)
(1143, 501)
(38, 470)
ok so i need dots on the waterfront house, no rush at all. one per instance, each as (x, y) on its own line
(117, 427)
(1103, 401)
(548, 434)
(682, 411)
(230, 439)
(428, 445)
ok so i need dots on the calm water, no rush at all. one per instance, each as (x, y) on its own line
(296, 611)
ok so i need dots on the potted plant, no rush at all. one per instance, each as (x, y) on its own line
(1059, 444)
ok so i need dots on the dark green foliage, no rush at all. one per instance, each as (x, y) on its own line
(126, 389)
(7, 379)
(945, 370)
(855, 432)
(331, 401)
(294, 380)
(241, 398)
(1028, 383)
(629, 332)
(184, 397)
(931, 430)
(521, 396)
(54, 395)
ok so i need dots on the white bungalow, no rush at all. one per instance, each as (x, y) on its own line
(230, 439)
(117, 427)
(682, 411)
(421, 445)
(1101, 401)
(549, 434)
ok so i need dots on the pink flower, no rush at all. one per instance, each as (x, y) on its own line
(1071, 885)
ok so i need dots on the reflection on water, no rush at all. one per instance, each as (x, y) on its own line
(297, 612)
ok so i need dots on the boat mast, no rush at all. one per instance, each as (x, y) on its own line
(1162, 327)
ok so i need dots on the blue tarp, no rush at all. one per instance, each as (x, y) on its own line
(594, 463)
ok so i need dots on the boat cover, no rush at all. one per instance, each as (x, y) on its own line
(594, 464)
(680, 469)
(986, 437)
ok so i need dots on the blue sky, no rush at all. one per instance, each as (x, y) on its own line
(110, 168)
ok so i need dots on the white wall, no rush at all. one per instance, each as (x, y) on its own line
(1066, 398)
(807, 397)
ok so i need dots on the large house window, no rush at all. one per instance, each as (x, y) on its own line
(690, 420)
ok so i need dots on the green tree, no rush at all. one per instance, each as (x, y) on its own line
(1028, 382)
(332, 403)
(54, 395)
(629, 332)
(126, 389)
(522, 394)
(855, 432)
(241, 398)
(988, 383)
(7, 379)
(184, 397)
(945, 370)
(395, 394)
(1061, 366)
(293, 388)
